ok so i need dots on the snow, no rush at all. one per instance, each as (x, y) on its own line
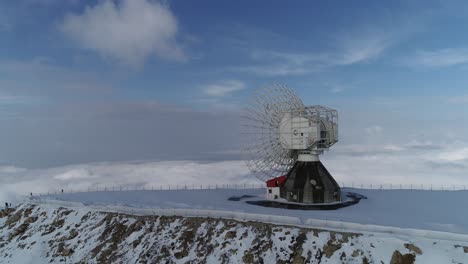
(248, 237)
(443, 211)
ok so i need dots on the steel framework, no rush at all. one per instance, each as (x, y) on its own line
(262, 137)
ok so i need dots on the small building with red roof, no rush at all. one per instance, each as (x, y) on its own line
(273, 187)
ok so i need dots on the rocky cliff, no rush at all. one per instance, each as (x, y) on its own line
(47, 234)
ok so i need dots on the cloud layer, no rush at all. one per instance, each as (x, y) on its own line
(128, 31)
(422, 164)
(440, 58)
(224, 88)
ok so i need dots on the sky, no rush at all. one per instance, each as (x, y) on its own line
(143, 80)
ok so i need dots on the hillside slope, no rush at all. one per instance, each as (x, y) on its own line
(51, 234)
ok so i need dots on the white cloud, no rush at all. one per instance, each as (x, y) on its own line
(337, 89)
(11, 169)
(126, 174)
(128, 31)
(223, 88)
(441, 165)
(456, 155)
(439, 58)
(374, 130)
(364, 48)
(272, 63)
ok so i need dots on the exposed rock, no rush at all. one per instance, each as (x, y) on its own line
(330, 248)
(63, 251)
(413, 248)
(230, 235)
(181, 254)
(14, 218)
(296, 247)
(248, 258)
(73, 234)
(119, 238)
(58, 223)
(18, 231)
(31, 219)
(28, 211)
(356, 253)
(465, 249)
(6, 212)
(398, 258)
(365, 260)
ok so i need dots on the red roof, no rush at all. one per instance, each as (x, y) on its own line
(276, 182)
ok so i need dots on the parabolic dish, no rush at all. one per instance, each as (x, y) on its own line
(261, 118)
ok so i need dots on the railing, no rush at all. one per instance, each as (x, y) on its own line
(178, 187)
(168, 187)
(416, 187)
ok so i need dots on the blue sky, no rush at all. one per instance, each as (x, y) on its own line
(91, 81)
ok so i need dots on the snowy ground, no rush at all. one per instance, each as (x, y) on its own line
(53, 234)
(428, 210)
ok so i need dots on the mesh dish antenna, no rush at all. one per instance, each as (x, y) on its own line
(283, 137)
(262, 117)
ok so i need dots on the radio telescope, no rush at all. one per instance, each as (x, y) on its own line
(283, 140)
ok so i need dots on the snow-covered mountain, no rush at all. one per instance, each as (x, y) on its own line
(161, 227)
(50, 234)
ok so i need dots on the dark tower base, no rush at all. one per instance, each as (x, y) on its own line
(309, 182)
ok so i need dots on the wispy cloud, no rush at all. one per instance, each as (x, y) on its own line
(355, 50)
(439, 58)
(223, 88)
(128, 31)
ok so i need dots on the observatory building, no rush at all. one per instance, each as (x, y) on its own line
(286, 139)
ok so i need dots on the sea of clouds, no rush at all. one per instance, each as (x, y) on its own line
(421, 164)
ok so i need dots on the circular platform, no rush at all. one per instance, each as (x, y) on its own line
(352, 199)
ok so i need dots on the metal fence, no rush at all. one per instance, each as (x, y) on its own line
(115, 188)
(390, 186)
